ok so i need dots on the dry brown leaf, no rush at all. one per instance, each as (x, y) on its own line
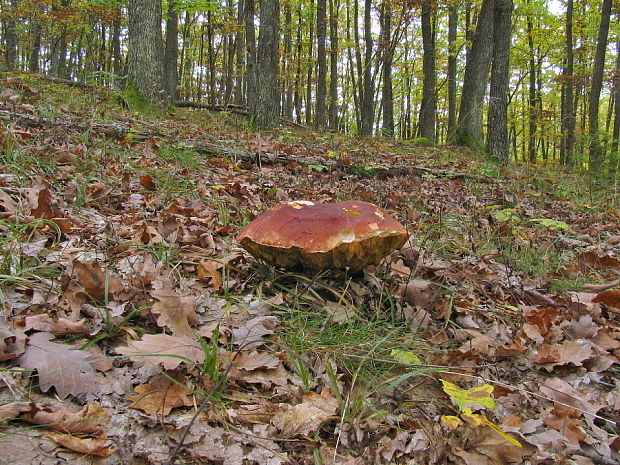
(169, 351)
(307, 417)
(96, 282)
(90, 420)
(88, 446)
(252, 333)
(59, 327)
(611, 299)
(419, 292)
(161, 395)
(59, 365)
(565, 421)
(575, 352)
(12, 342)
(12, 410)
(560, 391)
(250, 361)
(487, 447)
(209, 269)
(174, 311)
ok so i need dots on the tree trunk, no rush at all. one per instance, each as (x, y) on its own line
(171, 53)
(145, 63)
(469, 128)
(321, 88)
(497, 145)
(596, 152)
(288, 56)
(240, 53)
(615, 155)
(452, 61)
(250, 70)
(367, 116)
(387, 98)
(428, 109)
(268, 96)
(532, 125)
(333, 55)
(309, 75)
(568, 118)
(33, 63)
(58, 60)
(10, 36)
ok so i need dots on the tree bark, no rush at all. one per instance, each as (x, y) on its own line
(497, 145)
(240, 53)
(387, 97)
(288, 57)
(33, 63)
(321, 88)
(469, 127)
(10, 37)
(568, 118)
(615, 155)
(532, 112)
(171, 53)
(333, 55)
(453, 20)
(596, 151)
(367, 117)
(250, 70)
(145, 63)
(268, 96)
(428, 109)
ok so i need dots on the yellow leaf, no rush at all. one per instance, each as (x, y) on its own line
(476, 396)
(405, 356)
(479, 420)
(451, 421)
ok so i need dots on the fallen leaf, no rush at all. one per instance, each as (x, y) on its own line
(307, 417)
(88, 446)
(209, 269)
(174, 311)
(161, 395)
(59, 365)
(565, 421)
(252, 333)
(90, 420)
(59, 327)
(169, 351)
(12, 410)
(97, 283)
(575, 352)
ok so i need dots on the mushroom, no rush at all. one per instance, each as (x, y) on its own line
(349, 234)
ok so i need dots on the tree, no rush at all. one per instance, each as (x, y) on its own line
(267, 108)
(145, 63)
(568, 114)
(367, 116)
(596, 152)
(171, 53)
(250, 70)
(333, 58)
(321, 88)
(387, 96)
(453, 19)
(613, 168)
(469, 127)
(497, 143)
(428, 109)
(10, 36)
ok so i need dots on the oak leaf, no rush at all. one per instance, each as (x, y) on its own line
(59, 365)
(161, 395)
(169, 351)
(307, 417)
(88, 446)
(175, 312)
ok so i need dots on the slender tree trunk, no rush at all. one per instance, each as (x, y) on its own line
(250, 73)
(268, 101)
(10, 37)
(615, 155)
(428, 109)
(469, 128)
(321, 88)
(288, 56)
(367, 95)
(568, 119)
(309, 75)
(171, 52)
(240, 53)
(497, 145)
(297, 98)
(145, 48)
(117, 59)
(596, 152)
(33, 64)
(387, 98)
(333, 55)
(452, 61)
(532, 112)
(58, 63)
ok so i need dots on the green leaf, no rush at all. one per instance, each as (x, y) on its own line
(551, 224)
(405, 356)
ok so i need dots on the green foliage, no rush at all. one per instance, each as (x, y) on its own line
(140, 104)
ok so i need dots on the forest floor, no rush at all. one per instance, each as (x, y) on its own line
(135, 330)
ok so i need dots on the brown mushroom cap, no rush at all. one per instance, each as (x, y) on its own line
(349, 234)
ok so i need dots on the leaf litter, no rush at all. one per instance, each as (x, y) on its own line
(135, 328)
